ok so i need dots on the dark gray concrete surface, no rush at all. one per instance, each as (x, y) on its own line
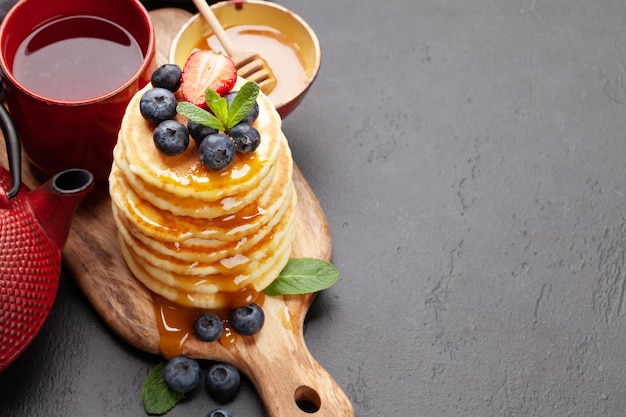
(471, 160)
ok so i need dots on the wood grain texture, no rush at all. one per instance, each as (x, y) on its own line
(276, 360)
(166, 23)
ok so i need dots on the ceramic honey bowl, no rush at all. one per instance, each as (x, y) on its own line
(283, 39)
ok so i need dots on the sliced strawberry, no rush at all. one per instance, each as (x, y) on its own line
(207, 69)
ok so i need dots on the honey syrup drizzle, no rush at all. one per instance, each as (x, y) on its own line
(175, 322)
(282, 55)
(187, 169)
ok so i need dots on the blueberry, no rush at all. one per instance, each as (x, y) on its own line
(208, 327)
(198, 131)
(168, 76)
(182, 374)
(247, 320)
(252, 114)
(219, 412)
(216, 151)
(171, 137)
(222, 381)
(245, 137)
(158, 104)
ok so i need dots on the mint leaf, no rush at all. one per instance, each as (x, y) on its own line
(224, 116)
(157, 397)
(211, 95)
(198, 115)
(218, 105)
(242, 103)
(302, 276)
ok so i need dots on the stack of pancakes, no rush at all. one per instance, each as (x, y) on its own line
(200, 237)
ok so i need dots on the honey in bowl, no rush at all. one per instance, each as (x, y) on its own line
(282, 56)
(281, 37)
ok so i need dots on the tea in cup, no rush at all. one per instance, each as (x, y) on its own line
(69, 70)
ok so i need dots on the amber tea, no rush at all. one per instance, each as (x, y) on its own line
(77, 58)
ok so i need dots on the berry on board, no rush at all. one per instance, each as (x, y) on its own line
(219, 412)
(208, 327)
(247, 320)
(182, 374)
(222, 381)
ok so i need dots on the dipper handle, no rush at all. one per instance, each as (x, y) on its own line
(217, 28)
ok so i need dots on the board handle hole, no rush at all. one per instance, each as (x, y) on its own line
(307, 399)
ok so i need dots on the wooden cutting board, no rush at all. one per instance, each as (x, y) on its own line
(288, 379)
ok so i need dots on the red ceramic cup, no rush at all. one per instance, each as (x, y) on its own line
(76, 132)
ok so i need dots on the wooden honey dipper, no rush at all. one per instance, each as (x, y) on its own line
(249, 64)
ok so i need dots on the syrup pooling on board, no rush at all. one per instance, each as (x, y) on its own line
(175, 322)
(281, 55)
(175, 325)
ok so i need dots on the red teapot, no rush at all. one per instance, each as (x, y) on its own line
(34, 226)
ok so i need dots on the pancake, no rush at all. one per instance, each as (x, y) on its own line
(184, 175)
(197, 249)
(199, 260)
(245, 269)
(223, 296)
(199, 237)
(159, 223)
(191, 206)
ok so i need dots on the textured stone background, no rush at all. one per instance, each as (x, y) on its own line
(470, 157)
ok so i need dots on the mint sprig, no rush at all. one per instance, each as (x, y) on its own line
(198, 115)
(242, 103)
(302, 276)
(157, 397)
(224, 116)
(217, 104)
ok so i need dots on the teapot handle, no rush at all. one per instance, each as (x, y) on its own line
(14, 151)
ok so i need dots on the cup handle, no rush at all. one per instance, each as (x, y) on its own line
(14, 151)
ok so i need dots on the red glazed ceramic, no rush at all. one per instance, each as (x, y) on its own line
(34, 226)
(56, 133)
